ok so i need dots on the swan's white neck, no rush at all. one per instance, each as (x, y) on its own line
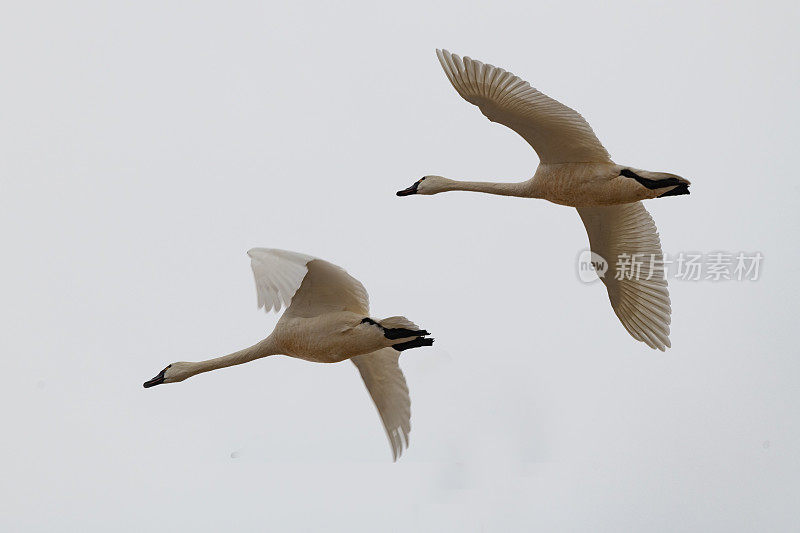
(261, 349)
(523, 188)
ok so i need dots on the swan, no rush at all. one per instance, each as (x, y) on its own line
(576, 170)
(326, 321)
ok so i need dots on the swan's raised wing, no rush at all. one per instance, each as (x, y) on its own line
(557, 133)
(626, 237)
(305, 285)
(387, 387)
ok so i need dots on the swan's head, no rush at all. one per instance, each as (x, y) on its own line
(171, 374)
(427, 185)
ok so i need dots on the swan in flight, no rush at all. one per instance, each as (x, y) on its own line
(326, 321)
(576, 170)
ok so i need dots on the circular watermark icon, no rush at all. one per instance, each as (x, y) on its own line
(591, 266)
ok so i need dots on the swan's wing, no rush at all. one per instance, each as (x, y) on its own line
(305, 285)
(557, 133)
(387, 386)
(626, 237)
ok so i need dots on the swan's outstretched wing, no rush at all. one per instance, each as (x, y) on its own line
(626, 237)
(305, 285)
(557, 133)
(387, 386)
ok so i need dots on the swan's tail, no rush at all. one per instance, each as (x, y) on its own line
(656, 181)
(394, 322)
(408, 334)
(683, 188)
(416, 343)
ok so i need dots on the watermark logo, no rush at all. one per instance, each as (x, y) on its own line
(591, 266)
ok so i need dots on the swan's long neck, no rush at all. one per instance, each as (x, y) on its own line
(261, 349)
(504, 189)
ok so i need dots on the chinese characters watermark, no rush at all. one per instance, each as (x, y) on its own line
(685, 266)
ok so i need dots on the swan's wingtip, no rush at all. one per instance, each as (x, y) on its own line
(252, 252)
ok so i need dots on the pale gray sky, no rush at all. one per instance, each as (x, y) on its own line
(145, 146)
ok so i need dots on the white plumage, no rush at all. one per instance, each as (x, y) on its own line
(278, 275)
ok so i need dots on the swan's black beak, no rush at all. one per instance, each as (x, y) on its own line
(158, 380)
(408, 192)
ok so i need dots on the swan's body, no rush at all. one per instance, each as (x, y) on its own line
(576, 170)
(326, 321)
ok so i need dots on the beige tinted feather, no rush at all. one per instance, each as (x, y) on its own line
(558, 133)
(387, 387)
(619, 234)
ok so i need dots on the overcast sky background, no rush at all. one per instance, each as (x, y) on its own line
(145, 146)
